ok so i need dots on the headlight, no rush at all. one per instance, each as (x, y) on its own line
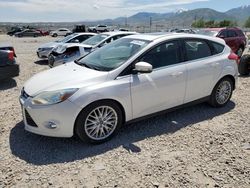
(53, 97)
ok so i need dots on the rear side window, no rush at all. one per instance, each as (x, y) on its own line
(240, 33)
(217, 48)
(197, 49)
(231, 33)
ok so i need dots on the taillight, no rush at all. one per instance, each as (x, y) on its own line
(233, 56)
(12, 49)
(11, 55)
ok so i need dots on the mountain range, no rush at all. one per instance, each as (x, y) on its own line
(179, 18)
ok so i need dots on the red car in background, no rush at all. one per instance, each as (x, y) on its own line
(233, 36)
(43, 33)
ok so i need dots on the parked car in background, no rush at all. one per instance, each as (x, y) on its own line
(185, 31)
(79, 29)
(8, 66)
(234, 37)
(99, 28)
(14, 30)
(44, 50)
(43, 33)
(128, 79)
(28, 33)
(60, 32)
(70, 52)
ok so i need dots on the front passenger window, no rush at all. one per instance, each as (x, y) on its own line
(164, 55)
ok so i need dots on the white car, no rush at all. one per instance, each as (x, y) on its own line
(60, 32)
(131, 78)
(44, 50)
(69, 52)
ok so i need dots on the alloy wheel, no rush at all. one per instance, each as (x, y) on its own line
(223, 92)
(101, 122)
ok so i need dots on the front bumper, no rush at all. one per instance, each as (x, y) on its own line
(38, 119)
(9, 71)
(43, 54)
(54, 61)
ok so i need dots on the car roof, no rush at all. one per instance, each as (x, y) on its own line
(166, 36)
(113, 33)
(84, 33)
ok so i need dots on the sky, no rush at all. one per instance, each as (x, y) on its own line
(83, 10)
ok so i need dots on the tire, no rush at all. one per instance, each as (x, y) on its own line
(223, 87)
(54, 35)
(35, 36)
(244, 64)
(87, 125)
(51, 60)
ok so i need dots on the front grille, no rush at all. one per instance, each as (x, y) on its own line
(29, 120)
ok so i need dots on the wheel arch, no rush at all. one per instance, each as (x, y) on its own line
(104, 100)
(232, 78)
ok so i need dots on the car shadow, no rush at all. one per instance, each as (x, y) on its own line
(40, 150)
(7, 84)
(41, 62)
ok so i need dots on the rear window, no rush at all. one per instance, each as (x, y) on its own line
(217, 48)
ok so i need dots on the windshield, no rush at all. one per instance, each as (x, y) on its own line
(92, 41)
(207, 32)
(113, 55)
(66, 39)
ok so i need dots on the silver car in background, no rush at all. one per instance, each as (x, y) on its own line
(44, 50)
(69, 52)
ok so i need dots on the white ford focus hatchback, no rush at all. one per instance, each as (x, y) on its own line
(131, 78)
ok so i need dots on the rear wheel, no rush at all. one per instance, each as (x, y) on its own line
(99, 122)
(244, 64)
(222, 93)
(54, 35)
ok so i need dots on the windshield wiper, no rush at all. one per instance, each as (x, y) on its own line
(86, 65)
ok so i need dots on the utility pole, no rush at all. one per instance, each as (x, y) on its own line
(150, 24)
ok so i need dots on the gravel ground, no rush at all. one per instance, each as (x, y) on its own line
(197, 146)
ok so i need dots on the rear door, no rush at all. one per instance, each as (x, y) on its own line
(200, 67)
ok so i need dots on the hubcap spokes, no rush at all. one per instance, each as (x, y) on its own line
(223, 92)
(101, 122)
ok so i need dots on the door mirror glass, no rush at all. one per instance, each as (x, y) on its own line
(143, 67)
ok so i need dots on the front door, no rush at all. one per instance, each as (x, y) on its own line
(165, 86)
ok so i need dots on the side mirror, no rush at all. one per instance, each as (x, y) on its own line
(143, 67)
(75, 41)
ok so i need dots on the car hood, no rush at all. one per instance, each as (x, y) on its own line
(50, 45)
(63, 47)
(69, 75)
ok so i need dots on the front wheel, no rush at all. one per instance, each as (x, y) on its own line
(99, 122)
(222, 93)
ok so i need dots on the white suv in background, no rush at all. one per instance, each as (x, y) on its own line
(130, 78)
(60, 32)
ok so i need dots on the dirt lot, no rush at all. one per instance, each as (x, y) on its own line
(197, 146)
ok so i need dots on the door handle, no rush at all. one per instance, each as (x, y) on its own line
(176, 74)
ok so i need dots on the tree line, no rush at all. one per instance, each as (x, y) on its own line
(201, 23)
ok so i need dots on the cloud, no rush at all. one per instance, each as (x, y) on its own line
(66, 10)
